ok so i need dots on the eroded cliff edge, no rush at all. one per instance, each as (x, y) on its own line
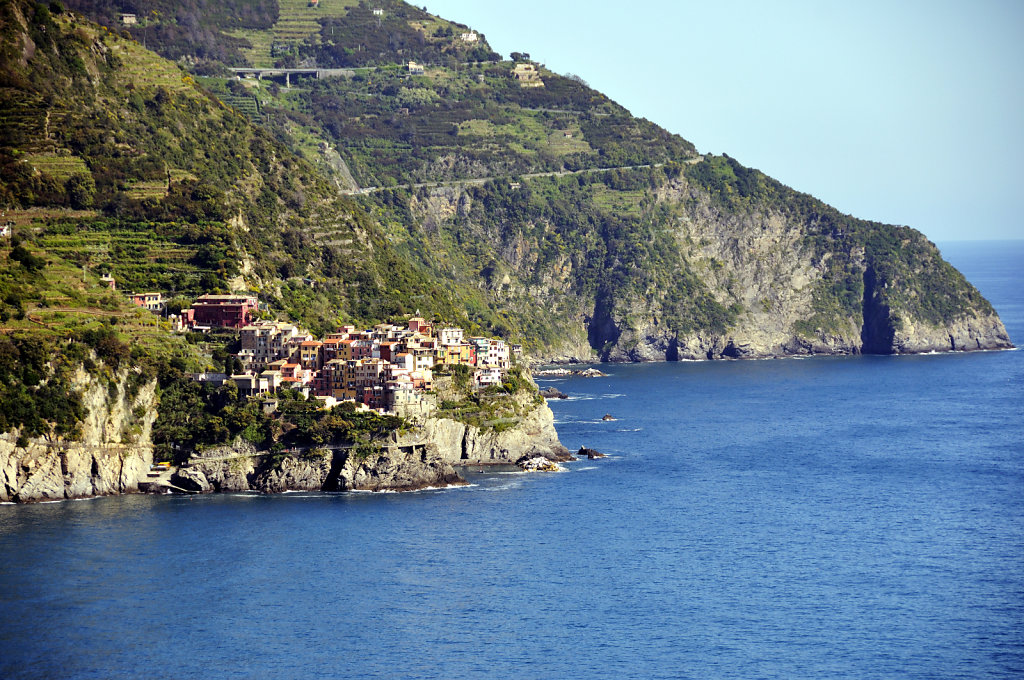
(425, 455)
(111, 455)
(712, 260)
(114, 452)
(782, 274)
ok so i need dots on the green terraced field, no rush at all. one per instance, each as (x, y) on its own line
(245, 104)
(57, 165)
(138, 259)
(296, 22)
(147, 189)
(618, 202)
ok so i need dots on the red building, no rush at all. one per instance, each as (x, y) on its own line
(233, 311)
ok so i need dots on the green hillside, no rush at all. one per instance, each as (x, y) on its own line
(172, 190)
(497, 194)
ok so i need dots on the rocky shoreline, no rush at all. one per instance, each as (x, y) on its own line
(99, 464)
(114, 453)
(908, 346)
(427, 457)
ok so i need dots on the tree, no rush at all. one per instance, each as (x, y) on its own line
(29, 261)
(81, 190)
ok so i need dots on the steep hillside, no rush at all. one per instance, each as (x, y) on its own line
(114, 160)
(118, 167)
(589, 232)
(494, 193)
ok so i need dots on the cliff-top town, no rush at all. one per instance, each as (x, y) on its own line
(386, 368)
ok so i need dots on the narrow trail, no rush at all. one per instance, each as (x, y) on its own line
(484, 180)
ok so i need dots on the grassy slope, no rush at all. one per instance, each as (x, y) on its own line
(580, 246)
(173, 191)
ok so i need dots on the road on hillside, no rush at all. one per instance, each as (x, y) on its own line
(484, 180)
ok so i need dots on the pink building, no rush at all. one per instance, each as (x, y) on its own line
(154, 302)
(233, 311)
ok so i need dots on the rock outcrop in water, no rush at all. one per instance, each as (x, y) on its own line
(424, 457)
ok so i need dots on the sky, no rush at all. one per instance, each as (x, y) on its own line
(908, 112)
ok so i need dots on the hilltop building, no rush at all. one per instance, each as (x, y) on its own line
(527, 75)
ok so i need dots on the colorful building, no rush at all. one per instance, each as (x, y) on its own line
(232, 311)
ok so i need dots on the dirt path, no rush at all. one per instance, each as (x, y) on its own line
(484, 180)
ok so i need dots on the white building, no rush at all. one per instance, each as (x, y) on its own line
(485, 377)
(448, 337)
(491, 353)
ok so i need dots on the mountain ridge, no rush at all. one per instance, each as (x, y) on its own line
(664, 253)
(509, 200)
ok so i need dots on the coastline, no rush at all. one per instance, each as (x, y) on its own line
(563, 360)
(97, 466)
(426, 457)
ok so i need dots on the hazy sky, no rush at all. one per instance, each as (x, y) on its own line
(904, 112)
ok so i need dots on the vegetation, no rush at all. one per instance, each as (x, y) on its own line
(199, 30)
(472, 121)
(36, 398)
(498, 407)
(363, 38)
(198, 415)
(536, 208)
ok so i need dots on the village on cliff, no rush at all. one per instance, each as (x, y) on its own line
(387, 368)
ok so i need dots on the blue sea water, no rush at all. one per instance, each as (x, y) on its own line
(820, 518)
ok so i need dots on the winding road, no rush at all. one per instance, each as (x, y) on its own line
(484, 180)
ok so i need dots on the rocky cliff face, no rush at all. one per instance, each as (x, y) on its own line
(243, 468)
(419, 459)
(707, 267)
(460, 444)
(112, 455)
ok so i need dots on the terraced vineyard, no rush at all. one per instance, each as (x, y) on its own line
(297, 22)
(141, 256)
(60, 166)
(146, 189)
(245, 104)
(145, 70)
(21, 123)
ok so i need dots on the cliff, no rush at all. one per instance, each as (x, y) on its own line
(111, 456)
(706, 267)
(797, 281)
(458, 443)
(114, 454)
(589, 234)
(425, 457)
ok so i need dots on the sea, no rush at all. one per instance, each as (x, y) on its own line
(857, 517)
